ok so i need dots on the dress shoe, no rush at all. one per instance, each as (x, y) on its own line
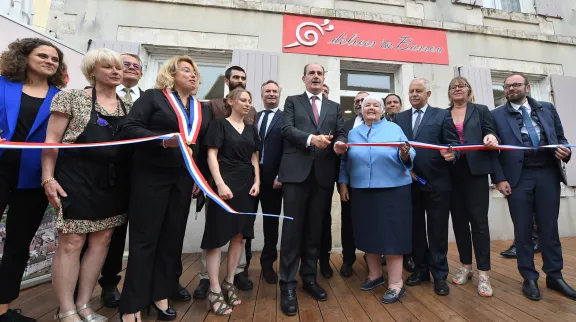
(530, 290)
(317, 292)
(242, 282)
(417, 278)
(409, 264)
(163, 315)
(441, 287)
(536, 248)
(346, 270)
(510, 252)
(201, 290)
(560, 285)
(270, 275)
(182, 294)
(326, 269)
(110, 296)
(15, 316)
(288, 302)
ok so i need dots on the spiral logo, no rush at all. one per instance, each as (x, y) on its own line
(310, 36)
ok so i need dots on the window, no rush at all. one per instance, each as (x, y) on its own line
(354, 81)
(506, 5)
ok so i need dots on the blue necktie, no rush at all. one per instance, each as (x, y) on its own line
(530, 127)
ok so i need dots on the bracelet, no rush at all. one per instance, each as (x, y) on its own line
(47, 181)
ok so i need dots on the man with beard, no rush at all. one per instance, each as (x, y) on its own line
(530, 180)
(234, 77)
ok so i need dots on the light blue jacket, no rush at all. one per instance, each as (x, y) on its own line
(376, 167)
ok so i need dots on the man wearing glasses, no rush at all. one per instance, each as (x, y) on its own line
(530, 180)
(129, 90)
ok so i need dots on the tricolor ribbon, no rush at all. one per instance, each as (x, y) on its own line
(189, 126)
(458, 147)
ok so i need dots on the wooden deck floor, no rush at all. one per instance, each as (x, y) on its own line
(347, 303)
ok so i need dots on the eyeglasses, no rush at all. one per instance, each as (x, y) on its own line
(459, 86)
(136, 66)
(188, 71)
(358, 101)
(515, 85)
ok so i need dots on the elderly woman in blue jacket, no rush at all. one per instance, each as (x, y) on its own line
(379, 178)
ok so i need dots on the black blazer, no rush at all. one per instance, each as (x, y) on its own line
(298, 124)
(153, 115)
(436, 127)
(348, 125)
(478, 123)
(272, 144)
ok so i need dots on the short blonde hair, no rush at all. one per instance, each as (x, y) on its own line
(165, 79)
(460, 80)
(97, 56)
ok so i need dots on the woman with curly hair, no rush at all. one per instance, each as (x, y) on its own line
(161, 188)
(31, 70)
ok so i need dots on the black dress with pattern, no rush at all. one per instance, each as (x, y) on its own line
(235, 161)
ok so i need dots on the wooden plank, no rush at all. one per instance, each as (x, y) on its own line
(265, 309)
(245, 312)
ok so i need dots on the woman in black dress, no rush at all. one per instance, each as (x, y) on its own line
(233, 160)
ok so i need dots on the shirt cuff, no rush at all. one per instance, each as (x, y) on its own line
(308, 141)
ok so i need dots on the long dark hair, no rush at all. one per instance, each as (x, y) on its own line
(14, 61)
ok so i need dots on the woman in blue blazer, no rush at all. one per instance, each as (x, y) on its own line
(31, 70)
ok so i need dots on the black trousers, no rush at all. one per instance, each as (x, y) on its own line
(537, 194)
(347, 233)
(534, 232)
(470, 199)
(26, 208)
(271, 203)
(305, 202)
(159, 206)
(326, 240)
(430, 214)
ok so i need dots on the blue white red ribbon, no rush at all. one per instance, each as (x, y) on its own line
(461, 147)
(190, 131)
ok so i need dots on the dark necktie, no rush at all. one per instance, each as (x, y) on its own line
(264, 124)
(529, 126)
(417, 123)
(315, 109)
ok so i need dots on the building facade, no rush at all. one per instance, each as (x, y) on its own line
(373, 45)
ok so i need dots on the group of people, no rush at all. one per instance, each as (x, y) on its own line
(396, 201)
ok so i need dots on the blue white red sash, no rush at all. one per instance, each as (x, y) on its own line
(189, 126)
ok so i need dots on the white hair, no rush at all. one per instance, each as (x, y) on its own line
(372, 98)
(426, 82)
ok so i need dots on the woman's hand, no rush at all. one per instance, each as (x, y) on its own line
(344, 194)
(405, 151)
(340, 147)
(53, 190)
(490, 141)
(224, 192)
(195, 189)
(255, 190)
(171, 142)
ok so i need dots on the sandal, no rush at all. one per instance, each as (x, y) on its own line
(484, 287)
(92, 317)
(231, 294)
(60, 316)
(463, 276)
(217, 298)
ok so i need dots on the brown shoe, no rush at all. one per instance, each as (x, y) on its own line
(270, 275)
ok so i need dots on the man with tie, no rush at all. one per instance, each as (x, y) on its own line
(307, 171)
(432, 185)
(269, 128)
(530, 180)
(129, 90)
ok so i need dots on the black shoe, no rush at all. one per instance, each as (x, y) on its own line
(560, 285)
(288, 302)
(163, 315)
(181, 294)
(369, 284)
(530, 290)
(317, 292)
(383, 261)
(509, 253)
(536, 248)
(242, 282)
(15, 315)
(409, 264)
(110, 296)
(201, 290)
(326, 269)
(441, 287)
(417, 278)
(270, 275)
(346, 270)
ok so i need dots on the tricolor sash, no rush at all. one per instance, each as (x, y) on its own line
(189, 126)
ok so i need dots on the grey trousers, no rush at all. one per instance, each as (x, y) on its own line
(239, 269)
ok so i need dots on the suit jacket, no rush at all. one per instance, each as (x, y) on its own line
(10, 98)
(218, 108)
(272, 144)
(510, 166)
(436, 127)
(348, 125)
(153, 115)
(479, 122)
(298, 124)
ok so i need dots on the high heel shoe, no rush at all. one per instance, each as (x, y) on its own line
(463, 276)
(92, 317)
(163, 315)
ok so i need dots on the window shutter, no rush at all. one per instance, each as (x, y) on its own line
(477, 3)
(120, 47)
(562, 91)
(260, 67)
(481, 81)
(549, 8)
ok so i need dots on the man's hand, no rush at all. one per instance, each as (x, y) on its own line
(277, 184)
(448, 155)
(490, 141)
(504, 188)
(320, 141)
(340, 147)
(344, 194)
(562, 152)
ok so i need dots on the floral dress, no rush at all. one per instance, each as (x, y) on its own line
(77, 105)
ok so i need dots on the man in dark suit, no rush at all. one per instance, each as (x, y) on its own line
(307, 172)
(431, 187)
(270, 130)
(530, 180)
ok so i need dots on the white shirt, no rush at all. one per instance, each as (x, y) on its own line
(318, 105)
(134, 92)
(524, 130)
(358, 121)
(260, 119)
(415, 115)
